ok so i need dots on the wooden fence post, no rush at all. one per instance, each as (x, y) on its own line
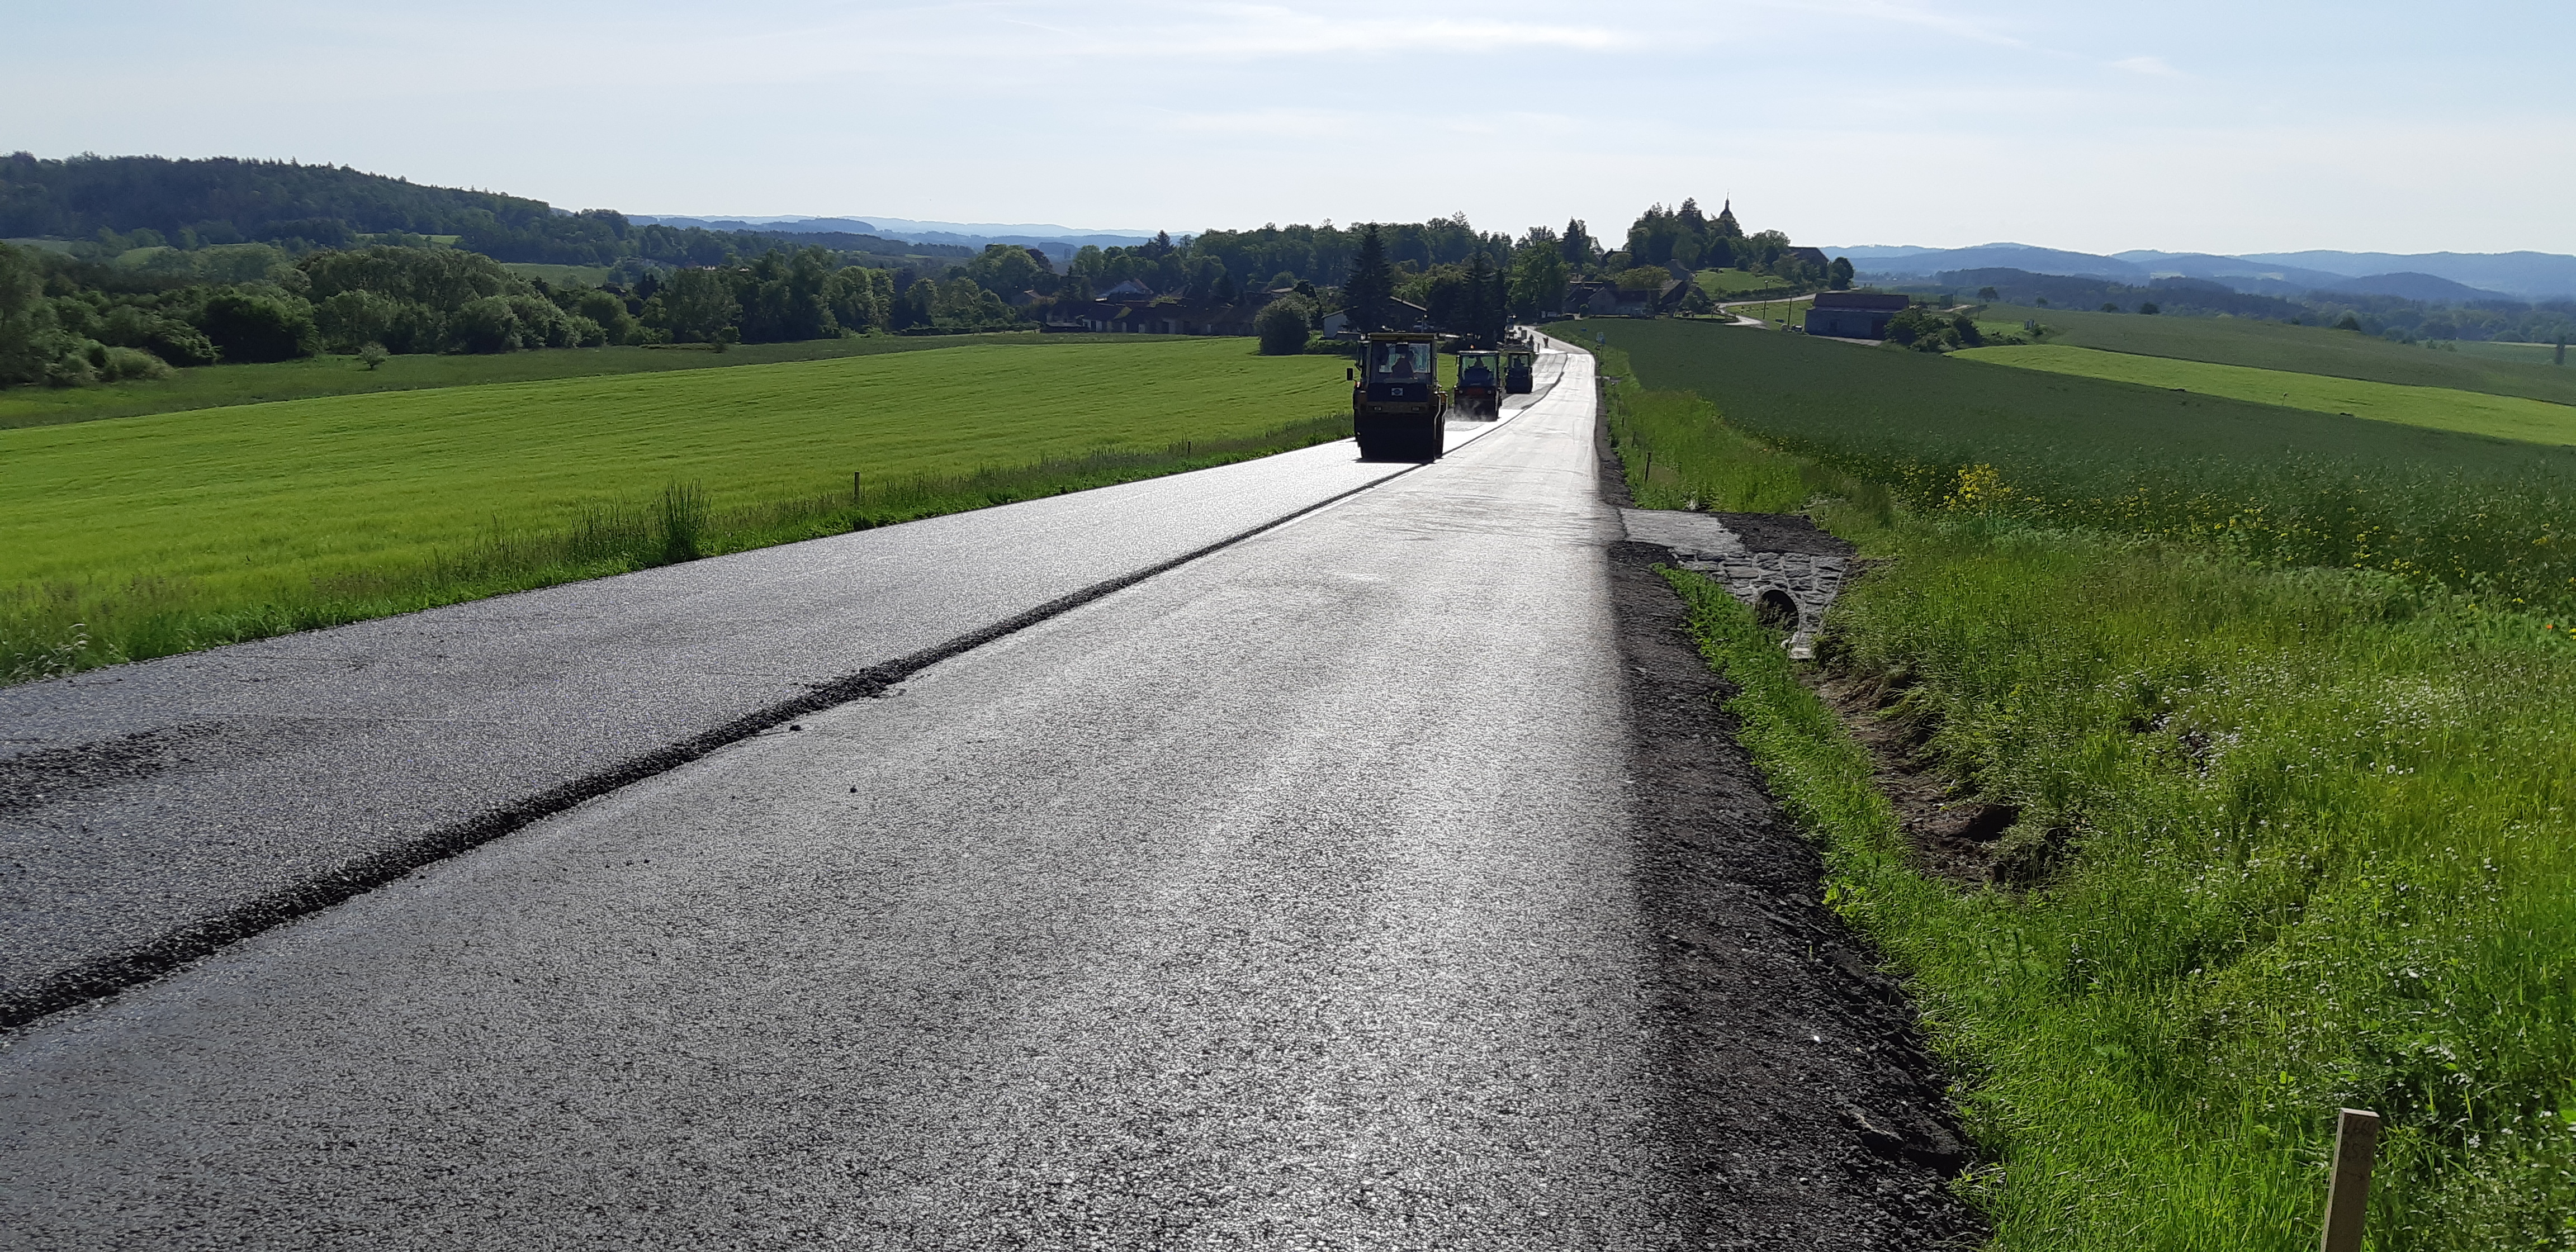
(854, 486)
(2348, 1191)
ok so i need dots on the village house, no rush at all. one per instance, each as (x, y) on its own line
(1854, 314)
(1130, 308)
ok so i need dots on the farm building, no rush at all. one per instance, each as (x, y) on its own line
(1854, 314)
(1600, 299)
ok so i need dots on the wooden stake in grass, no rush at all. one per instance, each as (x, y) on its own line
(2348, 1192)
(854, 486)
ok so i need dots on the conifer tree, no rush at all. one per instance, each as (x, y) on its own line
(1371, 285)
(1576, 245)
(1487, 302)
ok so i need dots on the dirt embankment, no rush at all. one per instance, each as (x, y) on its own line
(1956, 835)
(1799, 1104)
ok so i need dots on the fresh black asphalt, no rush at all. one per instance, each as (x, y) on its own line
(1280, 899)
(151, 812)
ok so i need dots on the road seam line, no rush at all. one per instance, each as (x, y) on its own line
(106, 976)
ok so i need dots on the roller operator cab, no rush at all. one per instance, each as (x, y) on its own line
(1480, 379)
(1397, 407)
(1520, 369)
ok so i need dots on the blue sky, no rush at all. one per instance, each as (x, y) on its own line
(2235, 127)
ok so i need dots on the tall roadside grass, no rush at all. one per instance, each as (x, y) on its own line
(1677, 454)
(2508, 538)
(2308, 826)
(56, 628)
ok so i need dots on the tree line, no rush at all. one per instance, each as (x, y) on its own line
(123, 305)
(123, 203)
(67, 320)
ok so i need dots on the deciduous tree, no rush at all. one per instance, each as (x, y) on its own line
(693, 305)
(1284, 325)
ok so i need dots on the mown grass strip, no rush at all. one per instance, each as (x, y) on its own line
(2493, 369)
(2437, 408)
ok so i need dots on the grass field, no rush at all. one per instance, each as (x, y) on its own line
(2440, 408)
(170, 531)
(218, 385)
(2300, 349)
(2518, 353)
(2290, 836)
(1730, 284)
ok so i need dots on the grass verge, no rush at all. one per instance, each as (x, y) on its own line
(2302, 837)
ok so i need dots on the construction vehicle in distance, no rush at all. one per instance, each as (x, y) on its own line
(1397, 408)
(1480, 385)
(1520, 371)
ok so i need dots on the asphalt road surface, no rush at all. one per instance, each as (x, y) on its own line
(1281, 899)
(150, 813)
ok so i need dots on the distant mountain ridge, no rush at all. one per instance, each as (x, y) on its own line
(2435, 276)
(1057, 241)
(226, 200)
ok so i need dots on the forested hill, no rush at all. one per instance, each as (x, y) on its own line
(225, 200)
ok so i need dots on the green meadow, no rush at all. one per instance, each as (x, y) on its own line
(160, 533)
(2291, 811)
(2440, 408)
(219, 385)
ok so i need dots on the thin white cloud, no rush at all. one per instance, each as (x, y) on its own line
(1341, 124)
(1913, 13)
(1257, 30)
(1268, 123)
(2154, 67)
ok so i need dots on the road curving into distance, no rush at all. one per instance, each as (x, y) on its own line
(151, 813)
